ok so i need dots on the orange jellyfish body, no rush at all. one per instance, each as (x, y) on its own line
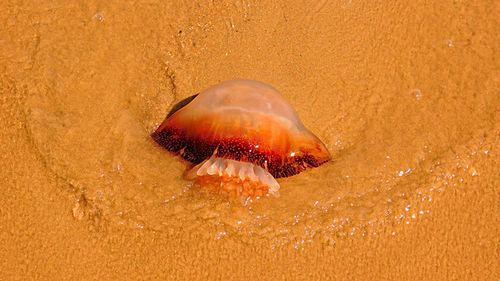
(242, 129)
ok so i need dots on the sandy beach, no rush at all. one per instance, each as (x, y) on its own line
(404, 95)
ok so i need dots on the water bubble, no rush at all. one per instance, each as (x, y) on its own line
(99, 17)
(473, 172)
(220, 235)
(417, 93)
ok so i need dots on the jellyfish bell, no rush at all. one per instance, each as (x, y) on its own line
(242, 134)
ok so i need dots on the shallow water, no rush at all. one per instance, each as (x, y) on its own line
(392, 146)
(387, 172)
(404, 97)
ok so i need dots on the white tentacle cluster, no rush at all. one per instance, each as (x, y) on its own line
(216, 166)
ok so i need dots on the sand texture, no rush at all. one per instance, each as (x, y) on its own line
(404, 94)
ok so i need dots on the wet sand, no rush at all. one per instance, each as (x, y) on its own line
(405, 97)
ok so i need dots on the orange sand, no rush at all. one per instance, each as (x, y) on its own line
(404, 95)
